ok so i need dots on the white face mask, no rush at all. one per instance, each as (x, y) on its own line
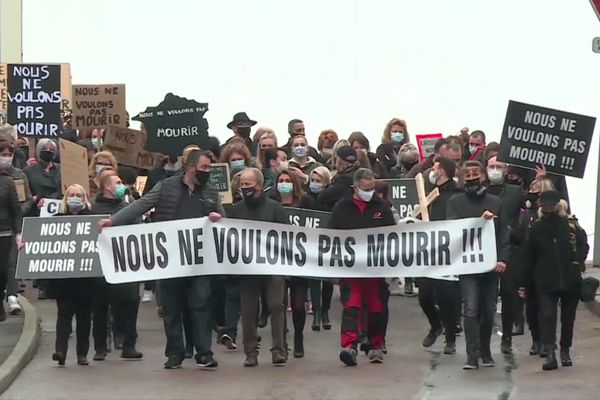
(496, 176)
(283, 166)
(432, 177)
(365, 195)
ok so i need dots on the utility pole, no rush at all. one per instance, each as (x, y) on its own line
(596, 260)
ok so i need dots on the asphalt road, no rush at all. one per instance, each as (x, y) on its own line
(409, 370)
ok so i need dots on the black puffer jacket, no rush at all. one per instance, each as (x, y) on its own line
(554, 255)
(340, 186)
(105, 206)
(11, 218)
(264, 209)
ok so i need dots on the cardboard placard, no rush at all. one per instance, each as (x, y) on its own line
(220, 181)
(557, 139)
(73, 165)
(175, 123)
(127, 145)
(50, 207)
(140, 184)
(97, 106)
(426, 144)
(308, 218)
(402, 193)
(20, 188)
(60, 247)
(34, 99)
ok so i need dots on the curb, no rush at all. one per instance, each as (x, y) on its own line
(25, 348)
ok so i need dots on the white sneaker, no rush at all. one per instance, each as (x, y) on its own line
(394, 286)
(14, 308)
(148, 296)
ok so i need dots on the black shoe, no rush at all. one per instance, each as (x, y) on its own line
(384, 348)
(349, 357)
(506, 346)
(278, 359)
(432, 336)
(131, 354)
(325, 319)
(543, 352)
(100, 356)
(189, 354)
(550, 362)
(251, 360)
(519, 329)
(118, 342)
(298, 346)
(459, 330)
(487, 360)
(2, 312)
(173, 363)
(316, 325)
(228, 342)
(472, 364)
(206, 361)
(263, 318)
(60, 358)
(535, 349)
(82, 360)
(366, 347)
(565, 358)
(450, 347)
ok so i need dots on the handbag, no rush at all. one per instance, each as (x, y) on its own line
(589, 287)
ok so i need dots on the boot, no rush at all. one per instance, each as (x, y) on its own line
(60, 358)
(251, 360)
(316, 325)
(550, 362)
(565, 357)
(325, 319)
(506, 345)
(543, 351)
(535, 349)
(298, 345)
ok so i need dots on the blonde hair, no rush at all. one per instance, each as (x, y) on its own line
(63, 209)
(387, 132)
(102, 154)
(260, 132)
(259, 151)
(335, 148)
(544, 184)
(324, 173)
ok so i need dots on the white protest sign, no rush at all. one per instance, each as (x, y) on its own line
(194, 247)
(50, 207)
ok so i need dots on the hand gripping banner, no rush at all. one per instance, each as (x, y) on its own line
(237, 247)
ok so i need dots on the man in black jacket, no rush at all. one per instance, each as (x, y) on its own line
(256, 206)
(512, 201)
(295, 128)
(479, 291)
(360, 210)
(181, 197)
(346, 164)
(440, 298)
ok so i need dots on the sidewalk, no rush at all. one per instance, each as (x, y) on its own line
(19, 338)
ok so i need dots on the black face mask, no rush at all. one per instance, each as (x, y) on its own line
(532, 197)
(202, 177)
(46, 156)
(250, 195)
(473, 187)
(244, 132)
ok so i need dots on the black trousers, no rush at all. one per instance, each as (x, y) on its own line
(438, 300)
(5, 247)
(82, 310)
(549, 312)
(532, 313)
(321, 293)
(298, 290)
(123, 300)
(511, 302)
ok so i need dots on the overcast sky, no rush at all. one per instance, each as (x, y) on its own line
(346, 65)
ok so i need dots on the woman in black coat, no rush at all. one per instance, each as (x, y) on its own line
(74, 296)
(123, 298)
(555, 254)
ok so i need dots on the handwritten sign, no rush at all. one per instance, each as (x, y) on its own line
(73, 165)
(96, 106)
(127, 145)
(34, 99)
(220, 181)
(426, 144)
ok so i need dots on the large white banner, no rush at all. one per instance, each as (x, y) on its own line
(238, 247)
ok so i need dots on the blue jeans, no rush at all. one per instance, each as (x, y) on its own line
(192, 293)
(479, 294)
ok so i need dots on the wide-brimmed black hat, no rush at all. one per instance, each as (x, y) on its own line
(241, 119)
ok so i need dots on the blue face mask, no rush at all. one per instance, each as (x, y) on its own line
(300, 151)
(237, 165)
(120, 191)
(285, 187)
(315, 187)
(397, 137)
(75, 203)
(473, 149)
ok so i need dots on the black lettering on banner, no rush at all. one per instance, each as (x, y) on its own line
(375, 250)
(408, 251)
(349, 258)
(185, 247)
(219, 237)
(534, 135)
(336, 252)
(118, 248)
(444, 247)
(324, 247)
(272, 247)
(163, 260)
(247, 246)
(148, 251)
(287, 248)
(233, 245)
(133, 253)
(393, 249)
(301, 256)
(260, 258)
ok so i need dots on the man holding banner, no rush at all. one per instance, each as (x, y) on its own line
(181, 197)
(479, 291)
(358, 211)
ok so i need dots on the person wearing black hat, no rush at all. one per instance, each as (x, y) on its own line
(346, 164)
(555, 256)
(241, 125)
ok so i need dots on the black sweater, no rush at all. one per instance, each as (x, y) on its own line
(11, 217)
(347, 215)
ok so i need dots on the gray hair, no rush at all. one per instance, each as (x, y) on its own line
(408, 152)
(257, 174)
(363, 173)
(8, 133)
(43, 143)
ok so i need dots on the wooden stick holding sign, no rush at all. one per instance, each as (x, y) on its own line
(424, 201)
